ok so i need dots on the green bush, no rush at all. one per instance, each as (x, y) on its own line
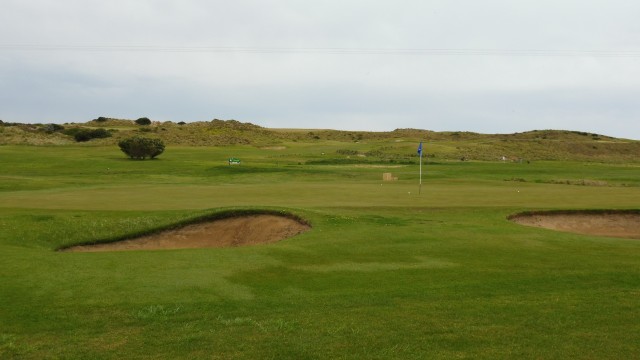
(140, 148)
(143, 121)
(81, 135)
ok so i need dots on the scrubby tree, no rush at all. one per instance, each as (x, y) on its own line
(143, 121)
(140, 148)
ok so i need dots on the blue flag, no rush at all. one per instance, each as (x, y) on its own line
(420, 149)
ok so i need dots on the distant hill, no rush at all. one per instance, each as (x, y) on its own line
(396, 144)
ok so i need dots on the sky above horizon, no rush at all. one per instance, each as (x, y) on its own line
(496, 66)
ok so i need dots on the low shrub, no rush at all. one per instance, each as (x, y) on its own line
(143, 121)
(140, 148)
(81, 135)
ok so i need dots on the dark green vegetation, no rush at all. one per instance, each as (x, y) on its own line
(80, 134)
(140, 148)
(385, 273)
(143, 121)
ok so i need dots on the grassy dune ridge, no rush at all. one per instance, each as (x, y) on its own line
(397, 145)
(385, 272)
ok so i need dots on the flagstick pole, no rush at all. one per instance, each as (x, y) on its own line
(420, 187)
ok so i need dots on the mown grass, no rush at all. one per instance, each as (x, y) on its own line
(385, 273)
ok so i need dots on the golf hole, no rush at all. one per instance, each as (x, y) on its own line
(612, 223)
(233, 231)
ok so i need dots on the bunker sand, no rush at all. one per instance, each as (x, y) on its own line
(613, 224)
(228, 232)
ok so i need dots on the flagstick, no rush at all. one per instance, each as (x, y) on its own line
(420, 187)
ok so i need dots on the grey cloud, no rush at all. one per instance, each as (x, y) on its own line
(497, 93)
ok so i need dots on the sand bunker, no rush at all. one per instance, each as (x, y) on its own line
(624, 224)
(227, 232)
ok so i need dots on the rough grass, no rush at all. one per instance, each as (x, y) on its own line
(398, 145)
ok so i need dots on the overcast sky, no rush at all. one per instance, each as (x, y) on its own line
(491, 66)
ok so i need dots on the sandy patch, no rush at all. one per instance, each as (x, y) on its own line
(229, 232)
(624, 224)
